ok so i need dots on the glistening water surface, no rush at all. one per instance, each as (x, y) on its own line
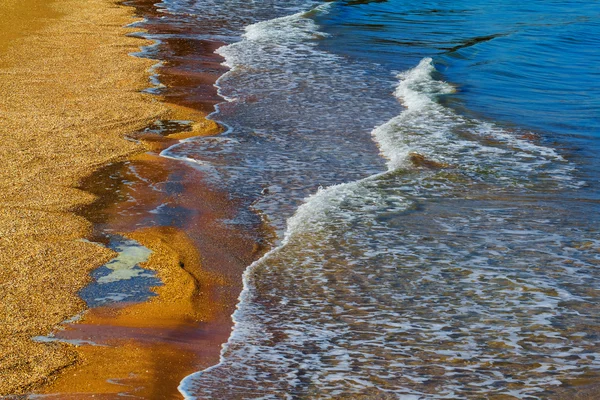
(431, 172)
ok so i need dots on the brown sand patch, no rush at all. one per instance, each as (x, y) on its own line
(419, 160)
(69, 91)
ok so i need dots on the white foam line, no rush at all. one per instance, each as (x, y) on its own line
(245, 294)
(417, 90)
(167, 153)
(293, 222)
(145, 51)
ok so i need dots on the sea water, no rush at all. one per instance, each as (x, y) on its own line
(430, 170)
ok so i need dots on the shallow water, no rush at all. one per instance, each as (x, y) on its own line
(122, 278)
(430, 173)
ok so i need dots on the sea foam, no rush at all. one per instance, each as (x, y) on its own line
(414, 281)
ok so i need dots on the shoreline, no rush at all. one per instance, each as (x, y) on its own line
(76, 132)
(65, 104)
(181, 330)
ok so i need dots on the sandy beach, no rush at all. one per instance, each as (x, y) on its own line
(69, 93)
(423, 245)
(80, 159)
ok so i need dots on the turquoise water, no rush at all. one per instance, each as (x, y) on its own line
(430, 170)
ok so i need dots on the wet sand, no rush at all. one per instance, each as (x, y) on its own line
(147, 348)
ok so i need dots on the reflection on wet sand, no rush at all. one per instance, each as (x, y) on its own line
(163, 205)
(145, 349)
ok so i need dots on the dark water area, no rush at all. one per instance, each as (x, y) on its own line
(430, 172)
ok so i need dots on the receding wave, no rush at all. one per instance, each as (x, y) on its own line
(454, 273)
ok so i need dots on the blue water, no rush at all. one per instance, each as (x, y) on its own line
(430, 171)
(533, 64)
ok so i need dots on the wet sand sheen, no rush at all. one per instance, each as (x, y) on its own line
(180, 330)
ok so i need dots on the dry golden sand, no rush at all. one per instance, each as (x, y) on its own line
(69, 91)
(22, 17)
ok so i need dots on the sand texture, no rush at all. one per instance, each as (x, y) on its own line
(69, 92)
(131, 360)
